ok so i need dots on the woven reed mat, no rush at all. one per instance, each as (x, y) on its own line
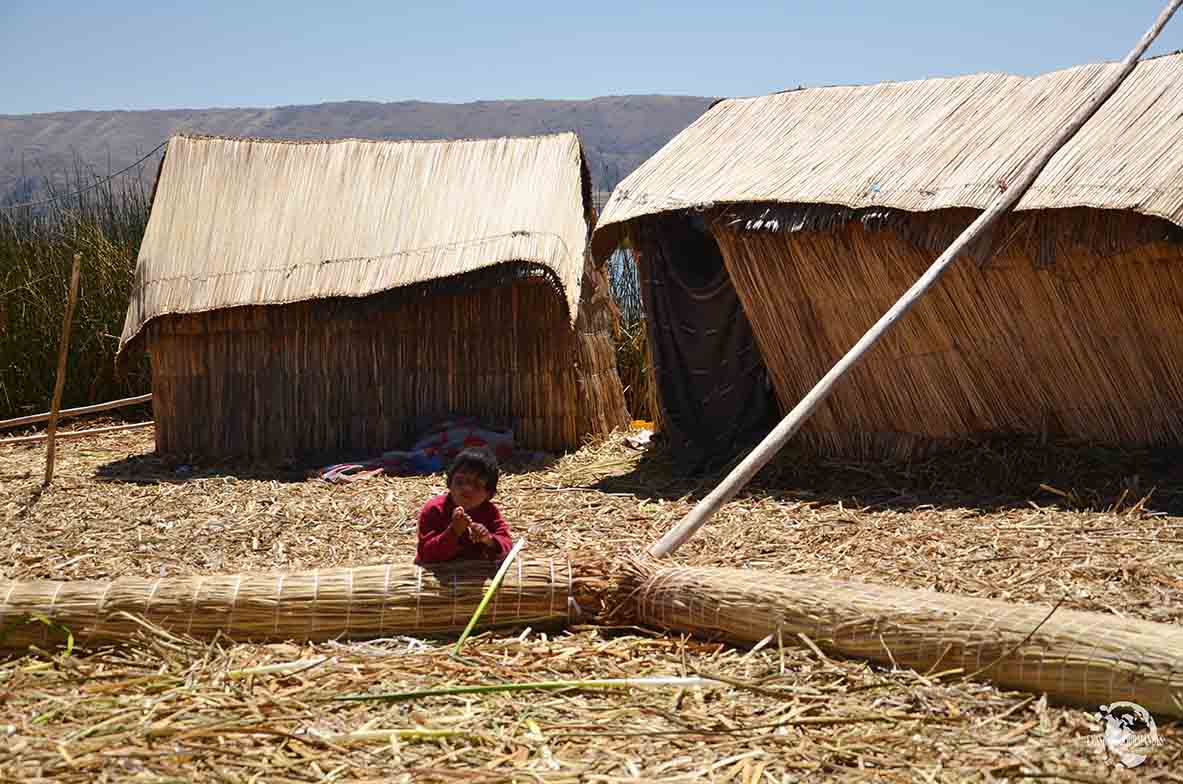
(368, 601)
(1079, 658)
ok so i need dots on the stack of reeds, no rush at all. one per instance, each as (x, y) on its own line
(1074, 657)
(601, 397)
(368, 601)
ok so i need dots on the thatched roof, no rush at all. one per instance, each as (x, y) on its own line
(244, 222)
(925, 145)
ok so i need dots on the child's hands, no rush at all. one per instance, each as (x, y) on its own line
(480, 534)
(461, 521)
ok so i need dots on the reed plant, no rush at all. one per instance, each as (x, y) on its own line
(632, 354)
(105, 224)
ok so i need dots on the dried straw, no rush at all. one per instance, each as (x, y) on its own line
(1074, 657)
(975, 522)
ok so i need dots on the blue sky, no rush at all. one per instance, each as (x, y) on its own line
(147, 55)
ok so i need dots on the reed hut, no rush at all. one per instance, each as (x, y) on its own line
(817, 208)
(305, 298)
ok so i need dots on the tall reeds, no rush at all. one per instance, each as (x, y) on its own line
(632, 355)
(105, 225)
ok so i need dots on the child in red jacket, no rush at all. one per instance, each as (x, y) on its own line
(463, 523)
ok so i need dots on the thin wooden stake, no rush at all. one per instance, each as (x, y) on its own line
(61, 377)
(1010, 196)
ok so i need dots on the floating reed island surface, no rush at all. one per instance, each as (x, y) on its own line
(1094, 530)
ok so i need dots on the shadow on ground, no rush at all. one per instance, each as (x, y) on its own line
(153, 468)
(998, 474)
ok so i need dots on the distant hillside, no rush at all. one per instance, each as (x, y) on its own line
(618, 133)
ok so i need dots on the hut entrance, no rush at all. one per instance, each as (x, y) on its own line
(710, 376)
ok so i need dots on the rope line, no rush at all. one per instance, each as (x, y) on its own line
(278, 604)
(151, 596)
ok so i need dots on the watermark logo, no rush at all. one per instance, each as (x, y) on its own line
(1128, 732)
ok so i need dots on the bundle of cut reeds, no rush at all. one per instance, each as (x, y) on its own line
(1074, 657)
(368, 601)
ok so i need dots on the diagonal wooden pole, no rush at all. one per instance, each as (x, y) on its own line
(61, 376)
(773, 442)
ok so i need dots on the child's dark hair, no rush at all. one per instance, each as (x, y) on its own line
(481, 462)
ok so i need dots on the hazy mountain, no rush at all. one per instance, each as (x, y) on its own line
(618, 133)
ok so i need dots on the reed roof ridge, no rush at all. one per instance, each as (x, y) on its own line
(199, 136)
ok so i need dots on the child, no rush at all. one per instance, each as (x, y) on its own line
(463, 523)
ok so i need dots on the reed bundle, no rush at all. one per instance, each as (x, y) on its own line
(368, 601)
(1080, 348)
(601, 399)
(1074, 657)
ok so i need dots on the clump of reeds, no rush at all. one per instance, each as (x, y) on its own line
(632, 353)
(37, 243)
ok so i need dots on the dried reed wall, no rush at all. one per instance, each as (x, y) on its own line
(368, 374)
(1088, 346)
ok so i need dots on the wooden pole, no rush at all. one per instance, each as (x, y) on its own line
(35, 418)
(61, 377)
(773, 442)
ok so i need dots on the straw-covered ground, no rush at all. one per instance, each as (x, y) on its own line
(1099, 530)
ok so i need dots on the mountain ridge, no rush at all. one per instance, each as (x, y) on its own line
(56, 148)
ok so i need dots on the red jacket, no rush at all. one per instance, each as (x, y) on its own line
(438, 542)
